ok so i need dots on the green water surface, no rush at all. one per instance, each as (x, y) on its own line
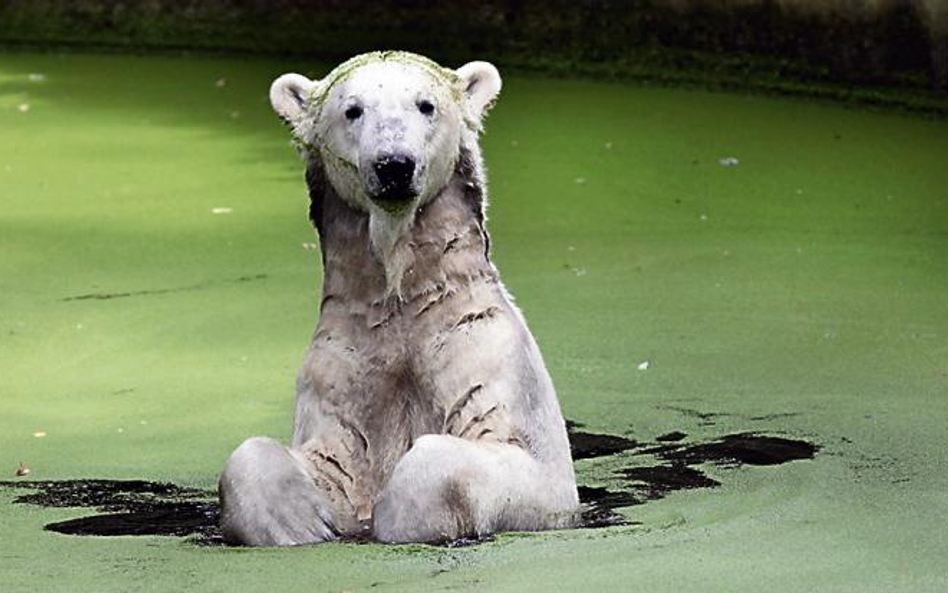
(802, 292)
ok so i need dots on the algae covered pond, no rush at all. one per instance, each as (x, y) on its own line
(743, 301)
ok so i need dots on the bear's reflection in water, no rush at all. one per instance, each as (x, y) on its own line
(137, 507)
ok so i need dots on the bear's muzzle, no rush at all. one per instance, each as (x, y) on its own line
(395, 174)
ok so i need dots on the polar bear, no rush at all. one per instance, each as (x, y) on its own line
(424, 411)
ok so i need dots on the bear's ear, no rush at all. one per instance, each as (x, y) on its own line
(481, 84)
(289, 95)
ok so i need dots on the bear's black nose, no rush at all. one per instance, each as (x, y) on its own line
(395, 174)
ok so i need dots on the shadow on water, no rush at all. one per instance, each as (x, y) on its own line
(136, 507)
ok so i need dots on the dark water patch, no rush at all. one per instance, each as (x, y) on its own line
(740, 449)
(599, 507)
(658, 481)
(107, 495)
(105, 296)
(639, 486)
(138, 507)
(676, 471)
(178, 519)
(127, 507)
(587, 445)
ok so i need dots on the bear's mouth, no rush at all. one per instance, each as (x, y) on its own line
(394, 198)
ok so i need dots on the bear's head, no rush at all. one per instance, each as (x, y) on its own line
(388, 128)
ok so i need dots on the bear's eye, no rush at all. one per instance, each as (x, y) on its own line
(426, 107)
(353, 113)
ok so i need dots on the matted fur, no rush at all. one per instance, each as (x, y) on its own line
(424, 410)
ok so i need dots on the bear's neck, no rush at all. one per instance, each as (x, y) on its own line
(444, 247)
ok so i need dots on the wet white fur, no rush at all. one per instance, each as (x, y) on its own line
(487, 448)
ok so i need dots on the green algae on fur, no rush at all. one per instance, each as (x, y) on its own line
(317, 97)
(343, 71)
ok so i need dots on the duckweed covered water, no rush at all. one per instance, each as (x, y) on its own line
(137, 507)
(158, 285)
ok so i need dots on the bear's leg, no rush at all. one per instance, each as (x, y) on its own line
(447, 487)
(269, 499)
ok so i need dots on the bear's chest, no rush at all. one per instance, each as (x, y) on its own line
(398, 367)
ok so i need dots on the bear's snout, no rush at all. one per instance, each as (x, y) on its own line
(395, 174)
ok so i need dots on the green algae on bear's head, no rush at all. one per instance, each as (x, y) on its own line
(344, 70)
(320, 93)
